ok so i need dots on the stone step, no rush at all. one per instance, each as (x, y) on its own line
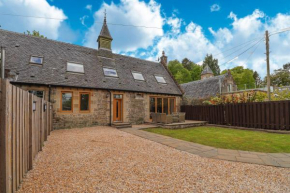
(122, 125)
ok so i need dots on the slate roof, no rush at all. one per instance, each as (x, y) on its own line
(105, 31)
(20, 47)
(203, 88)
(206, 70)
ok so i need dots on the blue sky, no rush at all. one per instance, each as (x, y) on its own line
(189, 28)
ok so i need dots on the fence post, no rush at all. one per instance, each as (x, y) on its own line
(5, 137)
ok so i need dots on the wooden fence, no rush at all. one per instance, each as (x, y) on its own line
(25, 123)
(274, 115)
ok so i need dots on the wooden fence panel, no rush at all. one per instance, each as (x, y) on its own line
(265, 115)
(22, 133)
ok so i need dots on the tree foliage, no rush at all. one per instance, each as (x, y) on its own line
(34, 33)
(212, 63)
(281, 77)
(186, 71)
(244, 78)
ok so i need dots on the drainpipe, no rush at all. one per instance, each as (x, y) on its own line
(110, 107)
(2, 62)
(49, 92)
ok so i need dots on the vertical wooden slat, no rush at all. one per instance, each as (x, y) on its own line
(5, 137)
(287, 115)
(14, 130)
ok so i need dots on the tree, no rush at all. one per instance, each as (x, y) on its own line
(186, 63)
(195, 72)
(183, 76)
(244, 78)
(281, 77)
(174, 67)
(212, 63)
(34, 33)
(257, 78)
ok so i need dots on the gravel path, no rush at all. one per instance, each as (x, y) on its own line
(103, 159)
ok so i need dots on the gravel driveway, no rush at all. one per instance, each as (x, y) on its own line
(103, 159)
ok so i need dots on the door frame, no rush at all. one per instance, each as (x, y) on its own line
(114, 107)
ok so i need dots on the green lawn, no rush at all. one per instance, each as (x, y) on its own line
(231, 138)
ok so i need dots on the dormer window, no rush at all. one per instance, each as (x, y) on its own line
(160, 79)
(138, 76)
(110, 72)
(36, 60)
(74, 67)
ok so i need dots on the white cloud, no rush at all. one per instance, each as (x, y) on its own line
(253, 27)
(40, 8)
(89, 7)
(128, 12)
(82, 19)
(215, 7)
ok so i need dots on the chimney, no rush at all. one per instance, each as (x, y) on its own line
(163, 59)
(2, 62)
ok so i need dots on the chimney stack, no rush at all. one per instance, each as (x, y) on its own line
(163, 59)
(2, 62)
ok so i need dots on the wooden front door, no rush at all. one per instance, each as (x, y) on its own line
(117, 110)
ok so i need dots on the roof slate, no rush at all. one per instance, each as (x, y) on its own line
(203, 88)
(20, 47)
(206, 70)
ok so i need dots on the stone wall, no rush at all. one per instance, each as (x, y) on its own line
(135, 107)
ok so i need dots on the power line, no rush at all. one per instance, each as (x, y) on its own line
(243, 51)
(62, 19)
(247, 42)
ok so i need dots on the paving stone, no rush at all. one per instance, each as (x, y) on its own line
(269, 161)
(228, 151)
(250, 160)
(226, 157)
(210, 153)
(258, 153)
(248, 155)
(193, 151)
(278, 155)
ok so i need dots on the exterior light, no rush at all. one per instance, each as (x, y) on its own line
(44, 107)
(34, 106)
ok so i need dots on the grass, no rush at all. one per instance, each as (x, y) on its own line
(231, 138)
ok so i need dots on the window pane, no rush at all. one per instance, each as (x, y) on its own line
(138, 76)
(110, 72)
(85, 102)
(160, 79)
(117, 96)
(36, 60)
(172, 106)
(66, 101)
(159, 105)
(72, 67)
(165, 105)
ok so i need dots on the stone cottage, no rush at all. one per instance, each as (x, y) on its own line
(209, 85)
(90, 86)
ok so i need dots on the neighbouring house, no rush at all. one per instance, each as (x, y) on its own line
(209, 85)
(89, 86)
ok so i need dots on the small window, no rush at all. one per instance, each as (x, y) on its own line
(138, 76)
(37, 93)
(118, 96)
(36, 60)
(73, 67)
(85, 102)
(160, 79)
(110, 72)
(66, 101)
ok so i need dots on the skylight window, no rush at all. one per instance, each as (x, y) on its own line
(36, 60)
(160, 79)
(73, 67)
(138, 76)
(110, 72)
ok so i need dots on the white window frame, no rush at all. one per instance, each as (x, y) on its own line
(74, 71)
(139, 73)
(108, 68)
(33, 56)
(161, 77)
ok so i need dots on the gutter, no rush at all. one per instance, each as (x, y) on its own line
(49, 93)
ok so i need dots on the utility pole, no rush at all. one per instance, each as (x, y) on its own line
(268, 66)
